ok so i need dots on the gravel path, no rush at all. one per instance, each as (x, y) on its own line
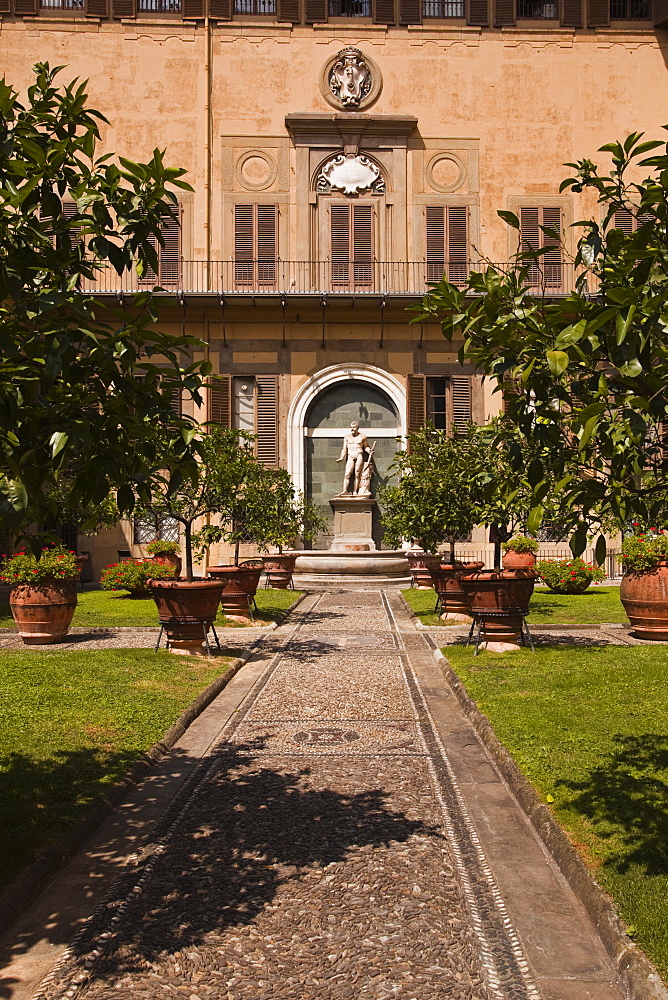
(322, 849)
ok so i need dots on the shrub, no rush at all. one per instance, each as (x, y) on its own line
(162, 548)
(56, 562)
(520, 543)
(133, 575)
(569, 576)
(642, 553)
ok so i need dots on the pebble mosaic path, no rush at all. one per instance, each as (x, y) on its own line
(322, 848)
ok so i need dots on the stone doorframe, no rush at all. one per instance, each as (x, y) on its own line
(323, 380)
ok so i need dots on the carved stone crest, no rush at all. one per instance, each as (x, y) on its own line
(350, 173)
(350, 77)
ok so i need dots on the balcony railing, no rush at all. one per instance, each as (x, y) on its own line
(269, 277)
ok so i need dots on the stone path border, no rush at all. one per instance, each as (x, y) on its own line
(633, 967)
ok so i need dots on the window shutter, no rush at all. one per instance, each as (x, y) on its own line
(504, 13)
(220, 400)
(176, 400)
(221, 9)
(267, 244)
(462, 408)
(552, 265)
(623, 219)
(549, 270)
(192, 9)
(598, 13)
(316, 11)
(243, 246)
(410, 11)
(435, 227)
(5, 9)
(458, 244)
(478, 13)
(267, 422)
(340, 244)
(169, 254)
(22, 7)
(124, 8)
(660, 13)
(416, 402)
(571, 13)
(363, 245)
(288, 10)
(383, 12)
(97, 8)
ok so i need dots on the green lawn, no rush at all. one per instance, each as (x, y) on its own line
(588, 726)
(73, 724)
(595, 606)
(106, 608)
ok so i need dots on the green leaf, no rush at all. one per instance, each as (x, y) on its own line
(510, 218)
(578, 542)
(557, 361)
(535, 519)
(600, 550)
(58, 441)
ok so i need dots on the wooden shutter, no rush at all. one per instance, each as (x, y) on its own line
(22, 7)
(435, 227)
(266, 418)
(97, 8)
(5, 8)
(571, 13)
(220, 400)
(266, 219)
(124, 8)
(624, 220)
(549, 270)
(458, 244)
(504, 13)
(176, 401)
(598, 13)
(255, 246)
(410, 11)
(316, 11)
(221, 9)
(478, 13)
(462, 406)
(288, 10)
(169, 253)
(660, 13)
(351, 232)
(193, 9)
(552, 263)
(383, 12)
(416, 402)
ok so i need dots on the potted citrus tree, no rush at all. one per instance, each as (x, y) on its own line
(162, 551)
(43, 593)
(519, 552)
(644, 587)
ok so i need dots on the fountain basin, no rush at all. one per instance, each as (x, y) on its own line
(330, 569)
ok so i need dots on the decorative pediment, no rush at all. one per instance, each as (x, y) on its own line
(350, 173)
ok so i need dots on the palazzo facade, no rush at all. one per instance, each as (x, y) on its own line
(343, 154)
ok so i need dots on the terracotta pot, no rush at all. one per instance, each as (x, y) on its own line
(172, 559)
(279, 569)
(446, 579)
(43, 612)
(518, 560)
(645, 600)
(81, 563)
(507, 593)
(240, 586)
(184, 608)
(420, 564)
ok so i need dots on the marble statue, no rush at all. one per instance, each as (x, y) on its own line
(358, 457)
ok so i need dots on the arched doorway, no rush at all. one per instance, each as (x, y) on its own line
(327, 420)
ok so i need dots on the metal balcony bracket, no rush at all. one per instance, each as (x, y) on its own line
(221, 303)
(323, 303)
(283, 304)
(120, 298)
(382, 320)
(181, 299)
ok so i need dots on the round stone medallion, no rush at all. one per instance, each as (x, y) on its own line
(445, 172)
(256, 170)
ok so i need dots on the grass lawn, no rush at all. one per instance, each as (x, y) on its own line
(106, 608)
(596, 605)
(588, 727)
(73, 724)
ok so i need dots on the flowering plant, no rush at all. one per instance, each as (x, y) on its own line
(162, 548)
(520, 543)
(569, 576)
(56, 562)
(133, 575)
(643, 552)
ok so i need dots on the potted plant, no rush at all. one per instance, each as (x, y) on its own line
(135, 575)
(433, 500)
(569, 576)
(224, 463)
(166, 552)
(519, 552)
(43, 593)
(644, 587)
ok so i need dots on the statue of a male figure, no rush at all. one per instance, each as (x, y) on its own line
(354, 446)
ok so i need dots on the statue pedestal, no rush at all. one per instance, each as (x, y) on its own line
(353, 522)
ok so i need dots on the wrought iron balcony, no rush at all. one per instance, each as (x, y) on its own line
(316, 278)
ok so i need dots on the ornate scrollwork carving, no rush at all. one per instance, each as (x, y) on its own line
(350, 77)
(351, 174)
